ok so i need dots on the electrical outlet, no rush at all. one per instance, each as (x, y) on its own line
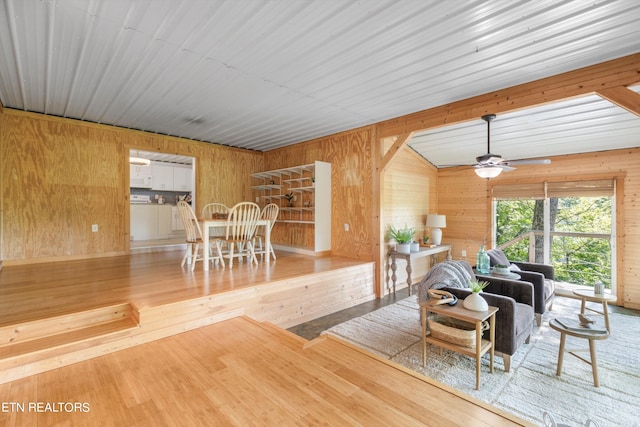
(257, 199)
(94, 228)
(464, 253)
(346, 227)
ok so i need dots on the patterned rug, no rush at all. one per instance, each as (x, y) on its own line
(532, 387)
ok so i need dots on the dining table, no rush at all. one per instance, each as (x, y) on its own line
(209, 223)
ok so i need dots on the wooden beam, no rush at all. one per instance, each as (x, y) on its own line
(402, 141)
(623, 71)
(623, 97)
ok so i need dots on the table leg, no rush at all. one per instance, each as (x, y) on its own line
(267, 241)
(423, 318)
(205, 249)
(492, 338)
(394, 267)
(605, 312)
(478, 350)
(409, 274)
(583, 305)
(594, 363)
(563, 337)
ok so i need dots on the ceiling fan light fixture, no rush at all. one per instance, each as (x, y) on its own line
(488, 172)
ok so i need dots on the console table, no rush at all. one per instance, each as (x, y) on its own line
(423, 252)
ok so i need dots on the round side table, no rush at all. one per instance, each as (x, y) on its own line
(589, 295)
(590, 336)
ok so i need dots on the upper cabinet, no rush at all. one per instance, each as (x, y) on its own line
(171, 177)
(303, 194)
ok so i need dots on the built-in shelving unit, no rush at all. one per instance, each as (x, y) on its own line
(310, 186)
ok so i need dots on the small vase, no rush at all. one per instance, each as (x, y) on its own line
(415, 247)
(475, 302)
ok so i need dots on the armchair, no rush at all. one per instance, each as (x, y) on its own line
(514, 298)
(541, 276)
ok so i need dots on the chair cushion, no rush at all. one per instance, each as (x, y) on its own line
(524, 318)
(496, 256)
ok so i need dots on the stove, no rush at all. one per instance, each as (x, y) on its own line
(138, 199)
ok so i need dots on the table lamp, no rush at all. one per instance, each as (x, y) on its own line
(436, 222)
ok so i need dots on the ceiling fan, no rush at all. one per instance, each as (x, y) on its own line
(491, 165)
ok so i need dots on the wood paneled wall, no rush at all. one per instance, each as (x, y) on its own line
(59, 176)
(464, 198)
(409, 194)
(351, 191)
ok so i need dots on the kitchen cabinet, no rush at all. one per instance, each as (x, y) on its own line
(172, 177)
(140, 176)
(150, 222)
(176, 220)
(162, 176)
(182, 178)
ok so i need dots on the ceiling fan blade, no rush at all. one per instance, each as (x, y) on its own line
(529, 162)
(506, 167)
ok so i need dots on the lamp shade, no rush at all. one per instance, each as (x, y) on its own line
(436, 221)
(490, 172)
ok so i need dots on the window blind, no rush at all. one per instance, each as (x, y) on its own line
(540, 190)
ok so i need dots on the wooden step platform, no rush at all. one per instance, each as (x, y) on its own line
(55, 315)
(242, 372)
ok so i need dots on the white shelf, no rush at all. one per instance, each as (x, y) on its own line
(311, 184)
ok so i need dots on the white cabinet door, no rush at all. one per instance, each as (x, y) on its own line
(176, 221)
(162, 176)
(182, 177)
(143, 222)
(164, 222)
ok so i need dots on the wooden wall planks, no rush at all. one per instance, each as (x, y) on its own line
(60, 176)
(409, 194)
(351, 188)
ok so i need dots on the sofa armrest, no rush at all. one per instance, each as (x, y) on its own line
(546, 269)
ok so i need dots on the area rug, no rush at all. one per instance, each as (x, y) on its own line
(532, 387)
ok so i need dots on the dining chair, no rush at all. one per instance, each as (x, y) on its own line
(241, 230)
(270, 213)
(216, 210)
(194, 238)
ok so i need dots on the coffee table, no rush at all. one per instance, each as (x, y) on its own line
(459, 312)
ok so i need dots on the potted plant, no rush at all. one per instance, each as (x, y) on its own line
(403, 238)
(289, 197)
(474, 301)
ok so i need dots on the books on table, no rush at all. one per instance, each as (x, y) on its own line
(575, 325)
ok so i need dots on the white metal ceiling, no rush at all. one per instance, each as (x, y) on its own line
(264, 74)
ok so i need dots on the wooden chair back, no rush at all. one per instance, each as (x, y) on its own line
(215, 210)
(190, 221)
(242, 221)
(270, 212)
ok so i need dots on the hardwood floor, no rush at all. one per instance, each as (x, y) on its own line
(239, 372)
(165, 346)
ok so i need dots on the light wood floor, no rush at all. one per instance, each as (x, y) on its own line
(30, 292)
(238, 372)
(235, 372)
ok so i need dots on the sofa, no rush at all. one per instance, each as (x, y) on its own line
(541, 276)
(514, 299)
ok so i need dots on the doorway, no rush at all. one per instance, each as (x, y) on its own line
(157, 182)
